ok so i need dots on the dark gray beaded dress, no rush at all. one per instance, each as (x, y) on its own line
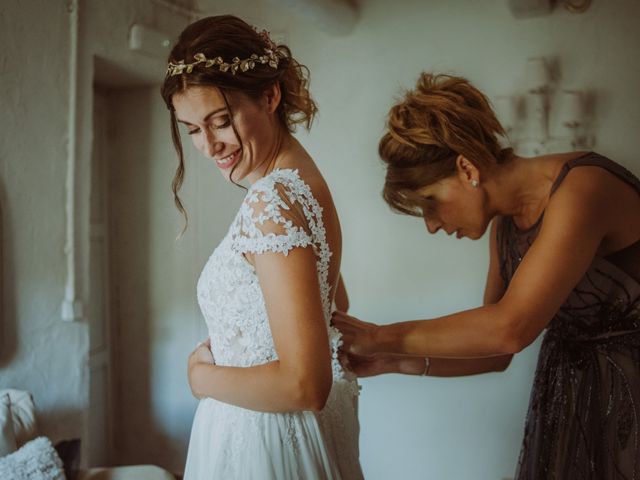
(583, 420)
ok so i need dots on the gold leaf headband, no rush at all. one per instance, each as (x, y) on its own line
(269, 58)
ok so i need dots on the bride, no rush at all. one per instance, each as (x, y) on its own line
(275, 402)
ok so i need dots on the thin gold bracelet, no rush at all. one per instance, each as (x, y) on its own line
(427, 364)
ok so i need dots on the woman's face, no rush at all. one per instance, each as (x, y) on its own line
(455, 206)
(208, 121)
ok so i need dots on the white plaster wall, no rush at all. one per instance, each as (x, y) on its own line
(411, 428)
(151, 418)
(39, 352)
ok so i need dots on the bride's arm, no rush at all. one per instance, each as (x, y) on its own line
(301, 378)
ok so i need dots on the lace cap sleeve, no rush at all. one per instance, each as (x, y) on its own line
(274, 216)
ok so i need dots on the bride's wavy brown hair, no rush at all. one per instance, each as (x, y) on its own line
(443, 117)
(228, 37)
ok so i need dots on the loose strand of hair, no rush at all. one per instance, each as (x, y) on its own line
(235, 131)
(178, 177)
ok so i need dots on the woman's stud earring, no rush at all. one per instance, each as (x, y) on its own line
(474, 183)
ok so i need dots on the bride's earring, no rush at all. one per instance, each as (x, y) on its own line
(474, 183)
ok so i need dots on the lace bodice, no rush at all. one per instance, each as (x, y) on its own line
(279, 213)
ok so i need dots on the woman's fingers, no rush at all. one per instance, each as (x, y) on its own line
(364, 366)
(343, 358)
(349, 329)
(357, 336)
(344, 319)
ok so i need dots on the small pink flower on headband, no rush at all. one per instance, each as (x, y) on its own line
(264, 34)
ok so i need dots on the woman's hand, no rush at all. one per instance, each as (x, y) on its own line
(201, 354)
(367, 366)
(358, 337)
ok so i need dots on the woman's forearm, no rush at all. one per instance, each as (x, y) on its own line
(460, 367)
(478, 333)
(445, 367)
(266, 388)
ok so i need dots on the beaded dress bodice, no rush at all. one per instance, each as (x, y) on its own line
(583, 420)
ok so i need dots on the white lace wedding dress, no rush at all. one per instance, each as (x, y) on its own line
(279, 213)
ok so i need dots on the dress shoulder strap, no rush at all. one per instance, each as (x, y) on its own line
(593, 159)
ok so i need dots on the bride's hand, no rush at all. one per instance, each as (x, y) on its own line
(201, 354)
(358, 337)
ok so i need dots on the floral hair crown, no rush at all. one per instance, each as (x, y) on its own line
(268, 58)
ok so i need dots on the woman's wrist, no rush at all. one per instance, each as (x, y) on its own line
(377, 340)
(384, 340)
(392, 364)
(427, 366)
(410, 365)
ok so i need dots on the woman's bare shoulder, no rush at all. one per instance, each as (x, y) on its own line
(612, 205)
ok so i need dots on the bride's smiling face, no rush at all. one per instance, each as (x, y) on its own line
(209, 123)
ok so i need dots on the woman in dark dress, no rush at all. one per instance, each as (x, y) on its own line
(565, 258)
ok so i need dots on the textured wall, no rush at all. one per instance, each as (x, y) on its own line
(147, 425)
(39, 352)
(458, 428)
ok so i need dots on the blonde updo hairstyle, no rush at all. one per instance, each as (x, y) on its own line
(443, 117)
(229, 37)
